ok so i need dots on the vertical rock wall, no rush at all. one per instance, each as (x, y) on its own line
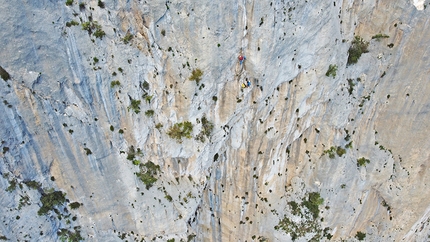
(72, 120)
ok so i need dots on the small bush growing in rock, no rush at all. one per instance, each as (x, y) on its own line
(4, 74)
(362, 161)
(69, 2)
(340, 151)
(180, 130)
(147, 173)
(196, 75)
(82, 6)
(67, 235)
(134, 106)
(50, 200)
(127, 38)
(88, 151)
(207, 128)
(72, 23)
(380, 36)
(331, 71)
(360, 235)
(149, 113)
(358, 47)
(74, 205)
(101, 4)
(115, 83)
(33, 184)
(313, 202)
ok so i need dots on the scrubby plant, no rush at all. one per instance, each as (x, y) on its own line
(180, 130)
(136, 162)
(88, 151)
(207, 128)
(93, 27)
(158, 126)
(82, 6)
(148, 98)
(380, 36)
(134, 106)
(147, 173)
(69, 2)
(132, 153)
(331, 71)
(50, 200)
(196, 75)
(362, 161)
(4, 74)
(358, 47)
(99, 33)
(163, 32)
(127, 38)
(313, 203)
(33, 184)
(74, 205)
(115, 83)
(12, 185)
(72, 23)
(95, 59)
(67, 235)
(149, 113)
(351, 86)
(101, 4)
(340, 151)
(360, 235)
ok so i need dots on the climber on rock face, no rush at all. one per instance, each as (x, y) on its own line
(241, 58)
(248, 83)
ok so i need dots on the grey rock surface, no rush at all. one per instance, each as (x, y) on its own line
(71, 120)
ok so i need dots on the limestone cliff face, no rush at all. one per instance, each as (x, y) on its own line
(283, 159)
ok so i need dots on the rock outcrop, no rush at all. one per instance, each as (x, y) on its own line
(126, 120)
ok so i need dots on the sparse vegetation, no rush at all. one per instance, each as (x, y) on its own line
(50, 200)
(331, 71)
(180, 130)
(101, 4)
(380, 36)
(313, 202)
(147, 173)
(115, 83)
(358, 47)
(33, 184)
(127, 38)
(340, 151)
(12, 185)
(351, 86)
(149, 113)
(362, 161)
(67, 235)
(72, 23)
(4, 74)
(132, 153)
(134, 106)
(69, 2)
(88, 151)
(93, 27)
(207, 128)
(360, 235)
(196, 75)
(163, 32)
(306, 219)
(74, 205)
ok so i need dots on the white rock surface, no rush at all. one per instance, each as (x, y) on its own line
(267, 146)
